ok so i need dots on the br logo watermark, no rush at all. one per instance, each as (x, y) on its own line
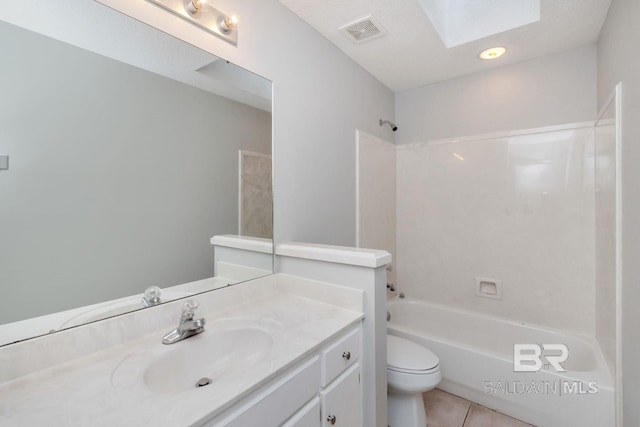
(535, 357)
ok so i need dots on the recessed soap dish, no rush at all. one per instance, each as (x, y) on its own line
(488, 288)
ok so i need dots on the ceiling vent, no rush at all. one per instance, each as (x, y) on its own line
(363, 29)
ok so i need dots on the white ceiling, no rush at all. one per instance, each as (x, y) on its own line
(94, 27)
(411, 53)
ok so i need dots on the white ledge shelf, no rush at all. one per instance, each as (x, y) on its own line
(372, 258)
(254, 244)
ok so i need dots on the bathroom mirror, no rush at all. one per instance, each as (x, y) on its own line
(128, 150)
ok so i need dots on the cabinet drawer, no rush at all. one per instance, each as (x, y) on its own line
(309, 416)
(339, 356)
(274, 405)
(342, 401)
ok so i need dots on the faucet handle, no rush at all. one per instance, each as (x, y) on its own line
(151, 296)
(189, 309)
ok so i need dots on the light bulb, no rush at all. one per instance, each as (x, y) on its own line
(194, 6)
(228, 23)
(493, 53)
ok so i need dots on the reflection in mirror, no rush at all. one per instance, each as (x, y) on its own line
(119, 175)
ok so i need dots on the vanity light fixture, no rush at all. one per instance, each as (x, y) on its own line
(202, 14)
(493, 52)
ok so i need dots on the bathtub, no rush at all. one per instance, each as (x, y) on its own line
(476, 354)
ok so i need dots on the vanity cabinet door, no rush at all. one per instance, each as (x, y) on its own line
(342, 401)
(309, 416)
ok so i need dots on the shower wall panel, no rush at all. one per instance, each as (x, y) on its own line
(518, 208)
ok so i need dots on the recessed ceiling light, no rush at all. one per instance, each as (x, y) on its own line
(493, 53)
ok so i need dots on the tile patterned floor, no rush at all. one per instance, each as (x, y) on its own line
(446, 410)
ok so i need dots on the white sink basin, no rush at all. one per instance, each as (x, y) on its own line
(211, 355)
(227, 348)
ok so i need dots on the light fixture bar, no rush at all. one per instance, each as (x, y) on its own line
(203, 15)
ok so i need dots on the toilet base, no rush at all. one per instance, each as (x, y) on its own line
(406, 410)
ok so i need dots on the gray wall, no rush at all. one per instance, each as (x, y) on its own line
(546, 91)
(118, 177)
(320, 98)
(618, 60)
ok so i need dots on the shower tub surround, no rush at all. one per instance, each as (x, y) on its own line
(476, 359)
(100, 366)
(522, 209)
(517, 207)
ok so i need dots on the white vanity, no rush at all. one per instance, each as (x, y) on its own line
(323, 390)
(305, 348)
(279, 350)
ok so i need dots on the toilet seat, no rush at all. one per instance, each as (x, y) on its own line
(409, 371)
(408, 357)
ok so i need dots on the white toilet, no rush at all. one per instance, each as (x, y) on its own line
(411, 370)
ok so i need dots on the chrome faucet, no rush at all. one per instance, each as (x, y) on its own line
(188, 326)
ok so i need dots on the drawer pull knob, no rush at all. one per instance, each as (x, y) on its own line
(331, 419)
(346, 355)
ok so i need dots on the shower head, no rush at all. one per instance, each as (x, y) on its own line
(393, 126)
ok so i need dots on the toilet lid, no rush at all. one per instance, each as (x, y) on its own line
(405, 355)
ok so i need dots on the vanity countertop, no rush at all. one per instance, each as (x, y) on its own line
(108, 387)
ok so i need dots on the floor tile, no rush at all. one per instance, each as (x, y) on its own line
(444, 409)
(479, 416)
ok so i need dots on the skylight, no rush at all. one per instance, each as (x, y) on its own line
(462, 21)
